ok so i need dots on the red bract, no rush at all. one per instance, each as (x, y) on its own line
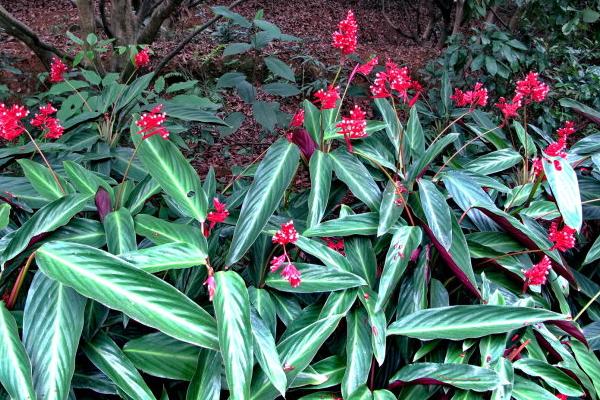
(151, 123)
(142, 58)
(398, 79)
(509, 110)
(335, 244)
(219, 215)
(57, 70)
(302, 139)
(297, 119)
(277, 262)
(557, 149)
(345, 38)
(292, 275)
(54, 129)
(378, 88)
(531, 89)
(567, 129)
(211, 286)
(50, 124)
(537, 166)
(562, 396)
(328, 98)
(563, 239)
(536, 275)
(472, 98)
(353, 127)
(366, 68)
(10, 121)
(287, 234)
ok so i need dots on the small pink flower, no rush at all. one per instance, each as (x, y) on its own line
(211, 286)
(328, 98)
(345, 38)
(536, 275)
(287, 234)
(353, 127)
(151, 123)
(277, 262)
(562, 239)
(142, 58)
(292, 275)
(297, 119)
(509, 110)
(57, 70)
(531, 89)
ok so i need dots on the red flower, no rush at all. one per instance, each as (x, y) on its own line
(277, 262)
(472, 98)
(328, 98)
(509, 110)
(10, 121)
(397, 79)
(287, 234)
(557, 149)
(151, 123)
(366, 68)
(567, 129)
(399, 192)
(563, 239)
(537, 166)
(536, 275)
(54, 128)
(335, 244)
(353, 127)
(297, 119)
(211, 286)
(142, 58)
(561, 396)
(57, 70)
(532, 89)
(44, 120)
(378, 88)
(219, 215)
(292, 275)
(345, 38)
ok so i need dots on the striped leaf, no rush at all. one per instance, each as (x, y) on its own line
(316, 278)
(120, 232)
(358, 351)
(565, 189)
(462, 376)
(266, 353)
(206, 382)
(42, 179)
(356, 176)
(165, 257)
(320, 185)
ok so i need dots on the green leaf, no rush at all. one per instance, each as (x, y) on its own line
(279, 68)
(15, 368)
(490, 65)
(133, 91)
(232, 310)
(415, 137)
(389, 210)
(4, 215)
(174, 174)
(108, 358)
(593, 253)
(312, 121)
(235, 17)
(316, 278)
(120, 232)
(418, 167)
(52, 325)
(393, 125)
(468, 321)
(236, 48)
(356, 176)
(526, 141)
(121, 286)
(355, 224)
(589, 16)
(358, 351)
(47, 219)
(42, 179)
(165, 257)
(206, 383)
(265, 113)
(404, 242)
(329, 257)
(85, 181)
(266, 353)
(383, 394)
(550, 375)
(141, 193)
(281, 89)
(362, 393)
(272, 177)
(462, 376)
(525, 389)
(588, 362)
(437, 212)
(495, 161)
(160, 232)
(160, 355)
(565, 189)
(361, 256)
(320, 185)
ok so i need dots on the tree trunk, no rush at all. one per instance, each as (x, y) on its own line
(160, 13)
(123, 28)
(458, 18)
(87, 18)
(491, 14)
(445, 8)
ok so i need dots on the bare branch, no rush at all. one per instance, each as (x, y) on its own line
(105, 24)
(394, 26)
(160, 13)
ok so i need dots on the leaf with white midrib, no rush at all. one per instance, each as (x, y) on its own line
(266, 353)
(52, 325)
(358, 351)
(320, 179)
(356, 176)
(437, 212)
(120, 232)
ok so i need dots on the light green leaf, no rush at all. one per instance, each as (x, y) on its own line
(320, 180)
(588, 362)
(593, 253)
(356, 176)
(358, 351)
(525, 389)
(415, 137)
(120, 232)
(4, 215)
(462, 376)
(160, 232)
(437, 212)
(206, 383)
(550, 375)
(329, 257)
(312, 121)
(495, 161)
(266, 353)
(390, 210)
(165, 257)
(279, 68)
(316, 278)
(83, 180)
(393, 125)
(42, 179)
(565, 189)
(355, 224)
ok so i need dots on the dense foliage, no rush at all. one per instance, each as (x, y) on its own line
(445, 246)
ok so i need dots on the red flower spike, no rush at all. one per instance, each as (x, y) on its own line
(537, 166)
(219, 215)
(509, 110)
(353, 127)
(378, 88)
(54, 128)
(142, 58)
(345, 38)
(292, 275)
(277, 262)
(10, 121)
(151, 123)
(287, 234)
(531, 89)
(536, 275)
(57, 70)
(297, 119)
(562, 239)
(44, 120)
(472, 98)
(366, 68)
(561, 396)
(557, 149)
(328, 98)
(211, 286)
(567, 129)
(335, 244)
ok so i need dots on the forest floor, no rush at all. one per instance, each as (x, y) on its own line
(311, 20)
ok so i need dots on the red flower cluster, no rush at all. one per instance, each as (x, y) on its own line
(562, 239)
(57, 70)
(531, 89)
(287, 234)
(366, 68)
(472, 98)
(211, 286)
(536, 275)
(216, 217)
(396, 79)
(567, 130)
(142, 58)
(328, 98)
(556, 149)
(151, 123)
(353, 127)
(561, 396)
(10, 121)
(50, 124)
(345, 38)
(399, 192)
(509, 110)
(335, 244)
(297, 119)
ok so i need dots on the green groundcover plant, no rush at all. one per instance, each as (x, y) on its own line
(439, 251)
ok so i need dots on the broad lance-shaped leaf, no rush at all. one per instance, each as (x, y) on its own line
(468, 321)
(404, 242)
(266, 353)
(272, 178)
(159, 231)
(52, 325)
(550, 375)
(166, 256)
(526, 389)
(389, 210)
(104, 353)
(329, 257)
(461, 376)
(565, 189)
(390, 117)
(316, 278)
(173, 172)
(348, 225)
(85, 181)
(436, 211)
(42, 179)
(358, 351)
(46, 219)
(357, 177)
(415, 138)
(232, 310)
(206, 382)
(120, 232)
(320, 184)
(121, 286)
(160, 355)
(15, 368)
(588, 361)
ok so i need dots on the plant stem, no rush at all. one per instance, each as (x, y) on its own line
(54, 175)
(78, 94)
(589, 303)
(19, 282)
(235, 178)
(122, 185)
(449, 126)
